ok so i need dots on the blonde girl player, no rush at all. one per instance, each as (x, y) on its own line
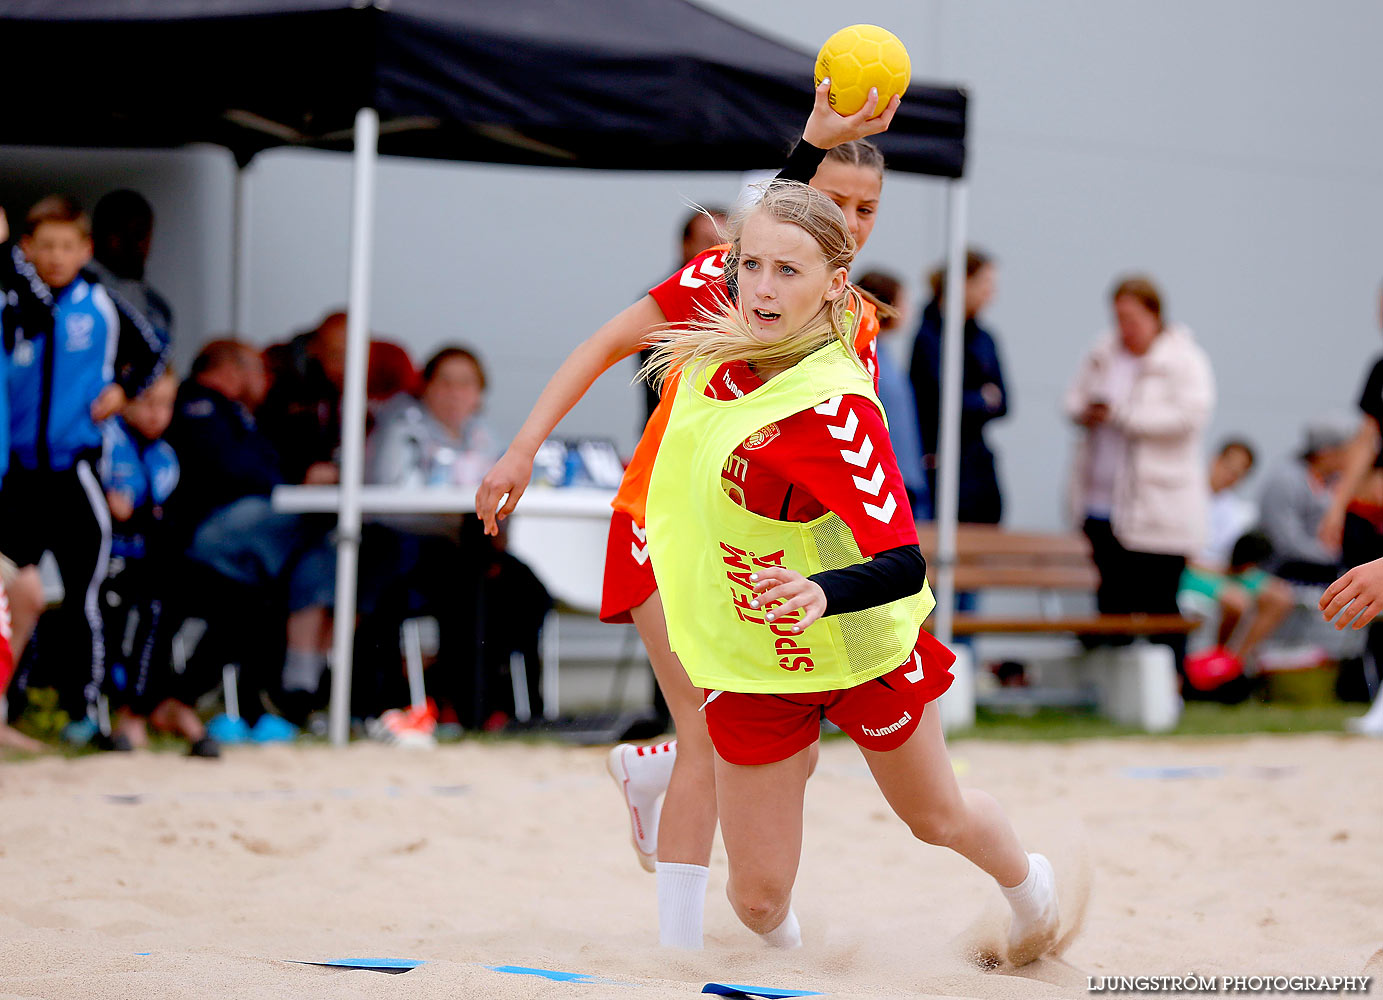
(679, 840)
(790, 575)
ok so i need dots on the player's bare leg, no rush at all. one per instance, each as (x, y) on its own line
(761, 822)
(687, 821)
(920, 786)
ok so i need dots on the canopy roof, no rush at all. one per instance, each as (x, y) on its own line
(623, 84)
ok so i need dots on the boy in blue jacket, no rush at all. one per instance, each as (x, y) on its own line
(73, 359)
(140, 472)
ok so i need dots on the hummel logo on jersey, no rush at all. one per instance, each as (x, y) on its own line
(846, 431)
(637, 550)
(694, 275)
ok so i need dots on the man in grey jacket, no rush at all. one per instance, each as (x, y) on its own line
(1296, 497)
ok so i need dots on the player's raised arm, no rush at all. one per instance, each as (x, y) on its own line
(616, 340)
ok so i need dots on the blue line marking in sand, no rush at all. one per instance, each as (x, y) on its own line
(556, 976)
(281, 794)
(143, 954)
(1174, 773)
(769, 992)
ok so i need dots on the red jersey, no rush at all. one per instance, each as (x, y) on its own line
(6, 650)
(835, 457)
(700, 286)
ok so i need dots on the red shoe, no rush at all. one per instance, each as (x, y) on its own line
(1212, 668)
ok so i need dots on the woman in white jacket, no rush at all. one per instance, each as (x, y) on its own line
(1144, 395)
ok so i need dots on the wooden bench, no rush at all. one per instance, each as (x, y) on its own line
(1133, 684)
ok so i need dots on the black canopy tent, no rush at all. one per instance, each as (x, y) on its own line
(617, 84)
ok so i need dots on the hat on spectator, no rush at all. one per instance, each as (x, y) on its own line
(1331, 431)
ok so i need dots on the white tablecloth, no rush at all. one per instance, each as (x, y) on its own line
(560, 533)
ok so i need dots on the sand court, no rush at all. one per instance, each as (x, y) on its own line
(151, 875)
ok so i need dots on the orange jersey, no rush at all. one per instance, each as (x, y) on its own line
(701, 283)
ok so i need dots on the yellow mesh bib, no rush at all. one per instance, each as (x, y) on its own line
(704, 548)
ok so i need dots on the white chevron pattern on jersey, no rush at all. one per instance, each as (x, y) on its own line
(846, 431)
(694, 276)
(639, 547)
(828, 408)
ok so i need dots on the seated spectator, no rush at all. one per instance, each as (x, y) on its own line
(389, 374)
(1296, 497)
(1226, 575)
(140, 472)
(301, 415)
(268, 561)
(440, 440)
(895, 391)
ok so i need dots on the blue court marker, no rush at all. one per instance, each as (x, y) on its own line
(1174, 773)
(557, 977)
(393, 966)
(768, 992)
(143, 954)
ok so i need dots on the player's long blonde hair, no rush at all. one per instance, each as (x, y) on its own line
(723, 334)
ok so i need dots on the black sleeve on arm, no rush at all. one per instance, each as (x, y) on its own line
(140, 352)
(1371, 399)
(890, 576)
(802, 163)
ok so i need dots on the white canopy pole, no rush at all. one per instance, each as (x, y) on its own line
(948, 447)
(240, 254)
(353, 419)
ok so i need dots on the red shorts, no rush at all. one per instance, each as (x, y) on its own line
(878, 715)
(628, 573)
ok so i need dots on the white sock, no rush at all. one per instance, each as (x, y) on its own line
(788, 934)
(650, 767)
(681, 902)
(1033, 900)
(647, 771)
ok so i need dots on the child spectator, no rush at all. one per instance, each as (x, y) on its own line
(1226, 577)
(71, 364)
(140, 472)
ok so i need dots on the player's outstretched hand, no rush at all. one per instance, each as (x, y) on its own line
(773, 583)
(1359, 594)
(827, 129)
(507, 477)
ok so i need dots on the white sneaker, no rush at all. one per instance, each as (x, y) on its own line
(642, 803)
(408, 728)
(1370, 723)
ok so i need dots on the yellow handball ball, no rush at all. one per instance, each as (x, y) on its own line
(859, 57)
